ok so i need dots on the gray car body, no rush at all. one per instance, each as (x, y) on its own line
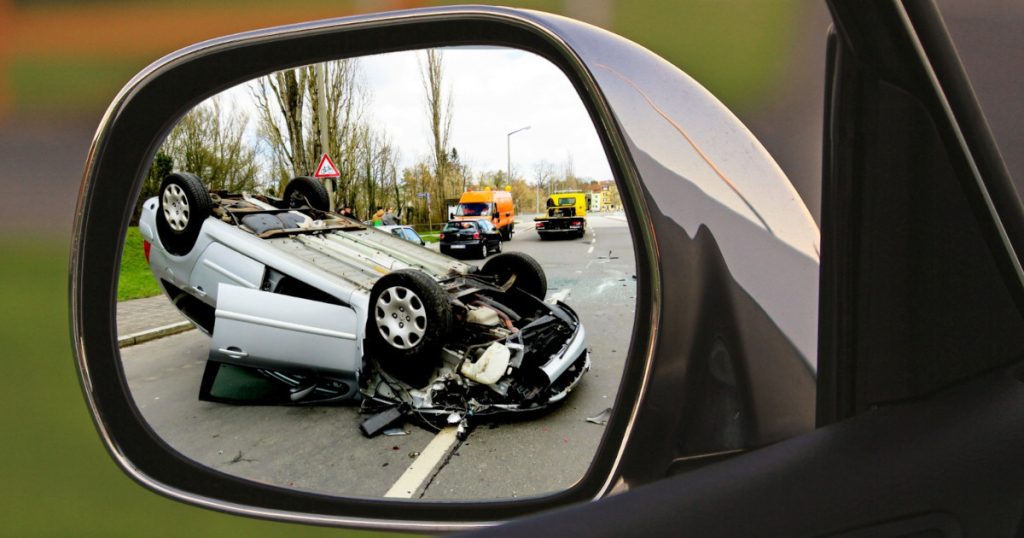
(229, 268)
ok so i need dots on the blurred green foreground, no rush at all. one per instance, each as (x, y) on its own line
(57, 478)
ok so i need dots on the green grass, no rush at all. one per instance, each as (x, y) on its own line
(58, 478)
(136, 280)
(737, 49)
(69, 84)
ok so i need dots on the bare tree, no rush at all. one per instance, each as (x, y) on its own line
(286, 102)
(544, 174)
(416, 182)
(569, 179)
(439, 117)
(280, 101)
(209, 142)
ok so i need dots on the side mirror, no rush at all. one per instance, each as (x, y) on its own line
(721, 354)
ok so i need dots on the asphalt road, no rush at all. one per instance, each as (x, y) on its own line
(321, 449)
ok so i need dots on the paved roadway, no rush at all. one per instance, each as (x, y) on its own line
(320, 448)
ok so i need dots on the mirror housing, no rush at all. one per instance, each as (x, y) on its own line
(723, 351)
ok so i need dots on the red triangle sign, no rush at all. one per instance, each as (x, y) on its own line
(326, 168)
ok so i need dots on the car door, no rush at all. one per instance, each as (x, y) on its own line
(920, 402)
(259, 329)
(490, 234)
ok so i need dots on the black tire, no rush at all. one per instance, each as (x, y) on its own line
(306, 191)
(506, 233)
(497, 247)
(408, 349)
(529, 274)
(483, 250)
(184, 204)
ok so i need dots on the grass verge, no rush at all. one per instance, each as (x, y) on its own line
(58, 478)
(136, 280)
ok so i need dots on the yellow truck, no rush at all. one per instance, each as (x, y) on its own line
(565, 217)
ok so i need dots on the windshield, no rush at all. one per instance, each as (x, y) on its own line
(456, 226)
(476, 209)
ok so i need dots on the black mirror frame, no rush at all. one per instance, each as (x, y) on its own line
(128, 137)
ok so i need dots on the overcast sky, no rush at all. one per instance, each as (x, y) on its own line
(494, 91)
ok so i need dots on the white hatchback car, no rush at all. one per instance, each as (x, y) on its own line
(325, 308)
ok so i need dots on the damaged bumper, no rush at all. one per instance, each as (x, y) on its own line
(561, 362)
(529, 371)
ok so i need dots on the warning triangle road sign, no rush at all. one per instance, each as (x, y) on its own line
(326, 168)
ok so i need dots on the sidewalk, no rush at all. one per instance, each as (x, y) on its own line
(141, 320)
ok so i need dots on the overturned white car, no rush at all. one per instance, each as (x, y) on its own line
(306, 306)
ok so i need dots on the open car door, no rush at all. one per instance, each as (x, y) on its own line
(265, 346)
(920, 428)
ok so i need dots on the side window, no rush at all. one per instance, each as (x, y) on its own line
(988, 38)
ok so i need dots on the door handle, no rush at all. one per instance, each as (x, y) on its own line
(233, 352)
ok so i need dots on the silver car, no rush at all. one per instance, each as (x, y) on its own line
(306, 306)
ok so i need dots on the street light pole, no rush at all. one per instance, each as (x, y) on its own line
(508, 152)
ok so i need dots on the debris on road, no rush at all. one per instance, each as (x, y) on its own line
(377, 423)
(601, 418)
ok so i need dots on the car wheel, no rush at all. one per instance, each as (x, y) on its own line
(497, 247)
(184, 206)
(409, 320)
(306, 191)
(483, 250)
(506, 233)
(529, 276)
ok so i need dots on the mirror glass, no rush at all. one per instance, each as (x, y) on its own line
(406, 275)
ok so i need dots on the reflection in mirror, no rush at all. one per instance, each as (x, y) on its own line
(404, 275)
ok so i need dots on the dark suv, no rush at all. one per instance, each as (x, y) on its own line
(470, 238)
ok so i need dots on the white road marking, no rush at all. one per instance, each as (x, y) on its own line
(591, 249)
(422, 467)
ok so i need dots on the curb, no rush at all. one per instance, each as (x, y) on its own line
(153, 334)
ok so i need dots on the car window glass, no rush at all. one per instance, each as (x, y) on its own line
(988, 40)
(280, 343)
(473, 209)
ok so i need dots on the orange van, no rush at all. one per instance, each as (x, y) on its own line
(495, 205)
